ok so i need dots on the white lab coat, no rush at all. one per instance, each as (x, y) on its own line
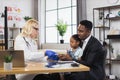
(30, 54)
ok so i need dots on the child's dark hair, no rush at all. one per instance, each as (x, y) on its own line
(76, 37)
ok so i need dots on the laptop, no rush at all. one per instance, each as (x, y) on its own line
(18, 57)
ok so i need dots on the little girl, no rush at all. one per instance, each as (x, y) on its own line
(75, 52)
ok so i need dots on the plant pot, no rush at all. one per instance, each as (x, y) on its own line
(61, 41)
(8, 66)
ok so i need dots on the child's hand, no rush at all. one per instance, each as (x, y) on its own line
(68, 57)
(64, 57)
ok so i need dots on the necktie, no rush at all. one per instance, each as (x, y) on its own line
(81, 44)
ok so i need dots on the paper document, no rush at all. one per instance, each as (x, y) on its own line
(64, 64)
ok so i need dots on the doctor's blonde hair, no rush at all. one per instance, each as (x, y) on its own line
(27, 28)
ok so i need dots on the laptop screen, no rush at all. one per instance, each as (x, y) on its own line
(18, 57)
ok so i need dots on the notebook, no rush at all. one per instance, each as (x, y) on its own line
(18, 57)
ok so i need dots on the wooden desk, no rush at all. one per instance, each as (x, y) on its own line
(37, 68)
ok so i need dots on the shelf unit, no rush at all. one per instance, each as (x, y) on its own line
(9, 32)
(13, 32)
(113, 36)
(4, 41)
(103, 17)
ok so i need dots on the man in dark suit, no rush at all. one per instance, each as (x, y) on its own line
(93, 55)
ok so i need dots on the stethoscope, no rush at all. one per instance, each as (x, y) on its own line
(27, 43)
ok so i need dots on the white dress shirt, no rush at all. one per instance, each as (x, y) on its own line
(85, 42)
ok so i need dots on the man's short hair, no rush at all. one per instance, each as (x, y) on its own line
(87, 24)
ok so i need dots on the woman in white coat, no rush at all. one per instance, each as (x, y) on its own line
(26, 41)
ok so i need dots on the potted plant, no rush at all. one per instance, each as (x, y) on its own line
(8, 62)
(27, 18)
(62, 28)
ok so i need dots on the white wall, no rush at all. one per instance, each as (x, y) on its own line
(27, 7)
(116, 43)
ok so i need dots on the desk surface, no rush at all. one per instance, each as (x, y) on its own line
(36, 68)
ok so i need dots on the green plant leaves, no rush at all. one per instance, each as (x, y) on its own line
(61, 27)
(8, 58)
(27, 18)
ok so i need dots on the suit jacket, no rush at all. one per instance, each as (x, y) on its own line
(94, 56)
